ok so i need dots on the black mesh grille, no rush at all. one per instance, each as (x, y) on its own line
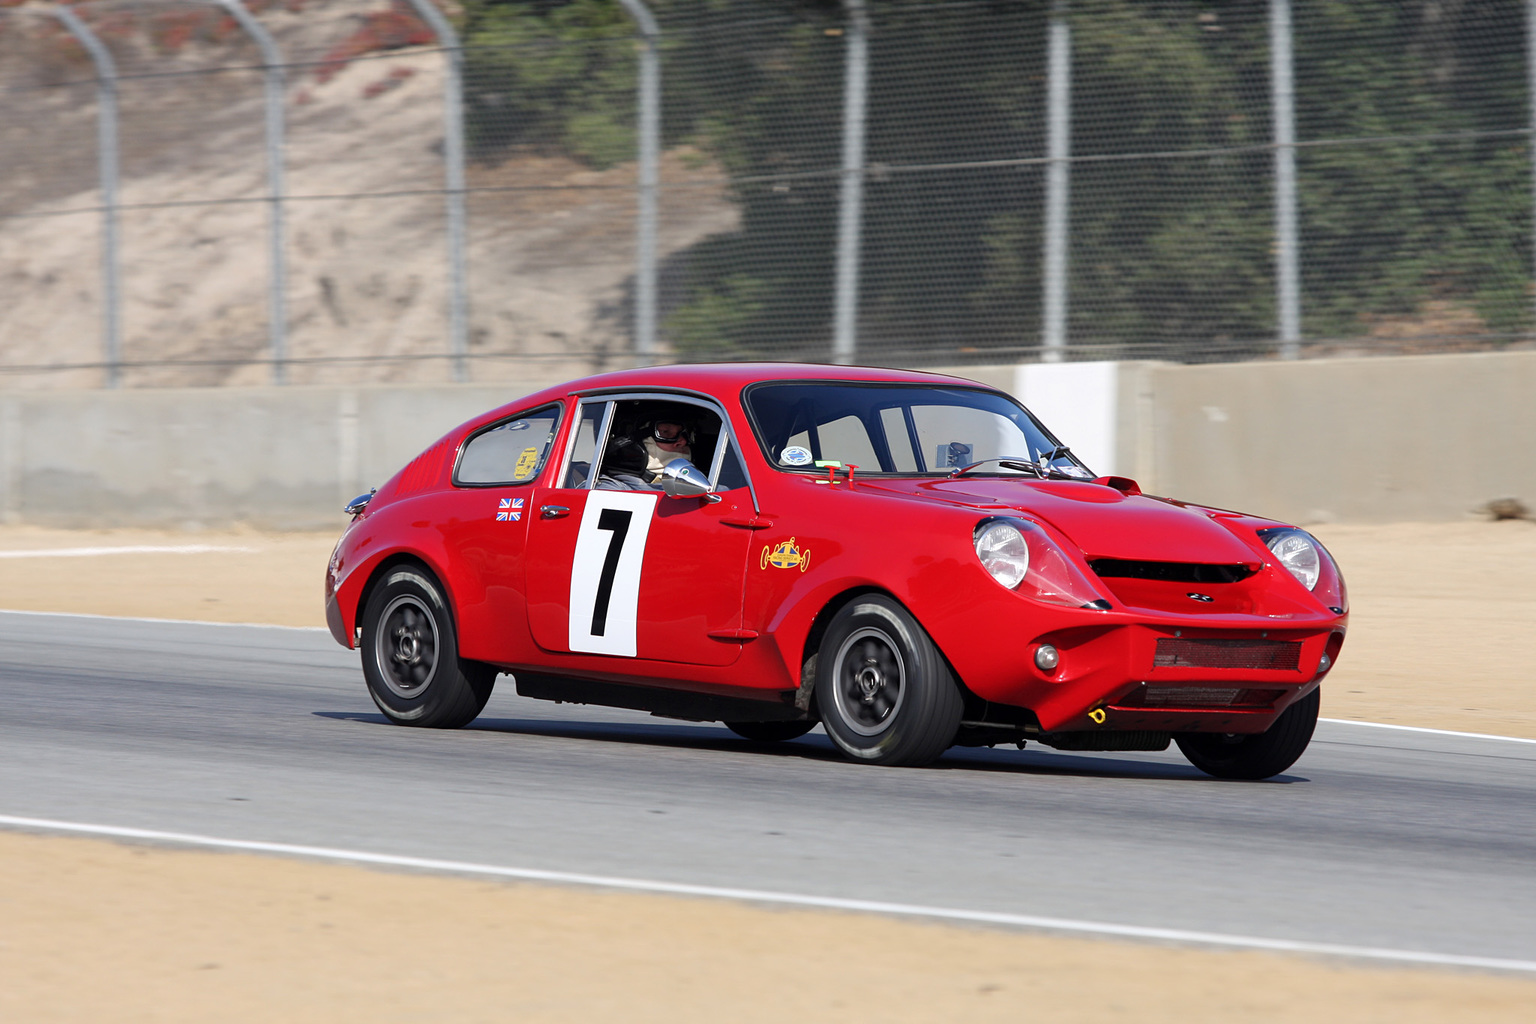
(1200, 697)
(1281, 655)
(1172, 572)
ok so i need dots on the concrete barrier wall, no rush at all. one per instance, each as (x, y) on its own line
(1427, 438)
(1365, 440)
(1414, 438)
(283, 458)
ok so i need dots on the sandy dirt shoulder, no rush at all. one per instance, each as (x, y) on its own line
(95, 931)
(1442, 618)
(1442, 630)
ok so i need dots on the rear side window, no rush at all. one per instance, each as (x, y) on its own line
(511, 452)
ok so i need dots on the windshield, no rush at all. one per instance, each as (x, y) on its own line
(895, 428)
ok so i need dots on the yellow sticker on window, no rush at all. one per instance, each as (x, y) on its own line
(526, 463)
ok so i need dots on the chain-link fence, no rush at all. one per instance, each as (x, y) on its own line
(886, 182)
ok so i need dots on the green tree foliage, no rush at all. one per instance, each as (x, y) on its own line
(1421, 213)
(550, 75)
(1172, 222)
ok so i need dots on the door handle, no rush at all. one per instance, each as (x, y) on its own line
(747, 522)
(553, 511)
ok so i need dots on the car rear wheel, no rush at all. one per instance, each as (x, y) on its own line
(411, 656)
(1260, 755)
(770, 732)
(885, 693)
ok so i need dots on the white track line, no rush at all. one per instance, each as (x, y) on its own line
(1432, 732)
(165, 622)
(130, 549)
(1030, 921)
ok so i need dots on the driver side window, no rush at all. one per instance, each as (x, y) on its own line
(645, 435)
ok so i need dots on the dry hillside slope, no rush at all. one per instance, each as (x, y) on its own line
(551, 243)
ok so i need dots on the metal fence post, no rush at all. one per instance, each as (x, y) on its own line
(106, 129)
(277, 307)
(1530, 71)
(650, 147)
(1057, 183)
(1287, 270)
(851, 205)
(453, 158)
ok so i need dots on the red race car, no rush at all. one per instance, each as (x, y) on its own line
(911, 560)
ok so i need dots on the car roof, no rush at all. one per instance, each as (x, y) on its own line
(727, 379)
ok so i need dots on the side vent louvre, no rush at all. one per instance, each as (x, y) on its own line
(422, 473)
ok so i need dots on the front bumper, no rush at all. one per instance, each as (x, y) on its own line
(1118, 671)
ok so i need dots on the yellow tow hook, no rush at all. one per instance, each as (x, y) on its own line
(1098, 716)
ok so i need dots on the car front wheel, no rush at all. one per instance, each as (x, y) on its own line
(885, 693)
(1260, 755)
(411, 656)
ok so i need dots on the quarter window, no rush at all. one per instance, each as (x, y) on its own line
(511, 452)
(584, 446)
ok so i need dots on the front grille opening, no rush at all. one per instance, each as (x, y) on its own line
(1201, 697)
(1271, 655)
(1172, 572)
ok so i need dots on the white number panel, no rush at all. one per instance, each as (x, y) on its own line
(605, 574)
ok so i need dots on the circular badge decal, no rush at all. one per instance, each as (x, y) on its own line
(794, 455)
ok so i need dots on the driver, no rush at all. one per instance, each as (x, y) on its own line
(635, 463)
(665, 441)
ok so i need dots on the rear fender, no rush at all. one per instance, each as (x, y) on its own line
(362, 569)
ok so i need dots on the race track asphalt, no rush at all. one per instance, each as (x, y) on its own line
(1375, 838)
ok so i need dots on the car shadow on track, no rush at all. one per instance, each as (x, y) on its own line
(1038, 760)
(815, 747)
(700, 736)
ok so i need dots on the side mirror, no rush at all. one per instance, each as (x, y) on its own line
(681, 479)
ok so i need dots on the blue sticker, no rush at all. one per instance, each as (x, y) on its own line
(794, 455)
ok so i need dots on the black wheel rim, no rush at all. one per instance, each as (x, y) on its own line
(405, 647)
(870, 681)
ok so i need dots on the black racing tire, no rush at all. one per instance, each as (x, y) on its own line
(885, 693)
(411, 655)
(1259, 755)
(771, 732)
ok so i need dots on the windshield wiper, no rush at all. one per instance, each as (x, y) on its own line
(1006, 462)
(1042, 469)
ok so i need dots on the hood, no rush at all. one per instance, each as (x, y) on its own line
(1101, 520)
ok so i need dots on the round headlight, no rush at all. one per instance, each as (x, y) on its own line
(1003, 553)
(1298, 554)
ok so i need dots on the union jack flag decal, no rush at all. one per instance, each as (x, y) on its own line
(510, 510)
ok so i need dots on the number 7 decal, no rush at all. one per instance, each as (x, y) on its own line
(605, 573)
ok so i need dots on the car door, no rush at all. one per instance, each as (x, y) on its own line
(637, 573)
